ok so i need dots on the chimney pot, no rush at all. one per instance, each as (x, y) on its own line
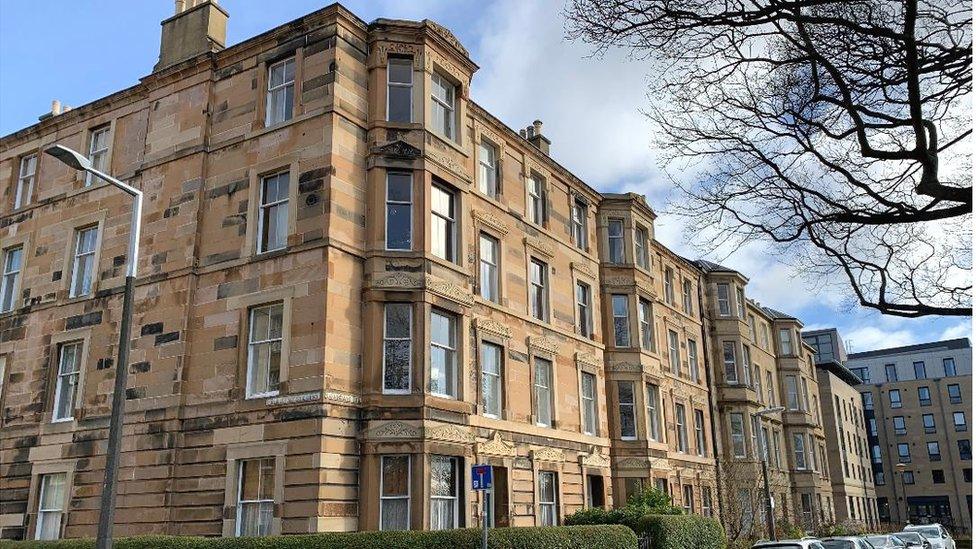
(530, 131)
(55, 107)
(536, 138)
(522, 133)
(537, 125)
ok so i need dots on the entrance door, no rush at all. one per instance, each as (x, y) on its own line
(594, 491)
(498, 516)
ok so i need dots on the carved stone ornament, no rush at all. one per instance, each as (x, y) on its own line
(584, 269)
(540, 245)
(634, 463)
(341, 397)
(548, 454)
(394, 430)
(396, 279)
(450, 433)
(594, 459)
(587, 359)
(625, 367)
(543, 343)
(449, 290)
(491, 221)
(618, 281)
(646, 287)
(398, 149)
(446, 35)
(382, 51)
(493, 327)
(495, 446)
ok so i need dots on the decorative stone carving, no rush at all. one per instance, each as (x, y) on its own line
(548, 454)
(397, 279)
(340, 397)
(587, 359)
(543, 343)
(633, 463)
(398, 149)
(594, 459)
(540, 245)
(646, 287)
(493, 327)
(451, 433)
(446, 35)
(584, 269)
(450, 291)
(522, 463)
(495, 446)
(382, 51)
(625, 367)
(394, 430)
(618, 281)
(446, 159)
(491, 220)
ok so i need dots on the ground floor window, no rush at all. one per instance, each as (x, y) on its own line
(444, 486)
(548, 499)
(255, 500)
(50, 506)
(395, 493)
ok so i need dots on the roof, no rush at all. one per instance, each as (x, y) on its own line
(948, 344)
(840, 371)
(712, 267)
(778, 315)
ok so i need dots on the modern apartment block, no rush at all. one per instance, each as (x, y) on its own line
(918, 406)
(848, 454)
(760, 362)
(356, 283)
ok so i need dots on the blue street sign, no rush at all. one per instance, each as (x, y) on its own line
(481, 477)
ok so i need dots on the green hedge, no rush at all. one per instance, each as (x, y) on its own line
(557, 537)
(682, 532)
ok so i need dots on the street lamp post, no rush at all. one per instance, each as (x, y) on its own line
(770, 524)
(106, 517)
(900, 467)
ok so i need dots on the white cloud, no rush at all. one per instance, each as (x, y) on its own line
(869, 338)
(962, 329)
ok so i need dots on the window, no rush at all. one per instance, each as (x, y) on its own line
(949, 366)
(752, 327)
(628, 420)
(653, 416)
(399, 210)
(686, 297)
(693, 360)
(894, 398)
(669, 285)
(965, 449)
(641, 252)
(25, 181)
(934, 453)
(680, 426)
(442, 223)
(645, 320)
(395, 493)
(444, 487)
(924, 396)
(891, 374)
(904, 454)
(908, 477)
(959, 420)
(873, 427)
(399, 89)
(397, 339)
(621, 321)
(548, 504)
(539, 289)
(615, 236)
(687, 499)
(632, 486)
(50, 506)
(876, 454)
(12, 259)
(83, 267)
(264, 350)
(584, 307)
(491, 379)
(588, 397)
(868, 400)
(799, 451)
(728, 358)
(674, 354)
(700, 444)
(879, 478)
(580, 231)
(443, 104)
(764, 337)
(488, 169)
(537, 200)
(255, 497)
(281, 90)
(785, 342)
(955, 394)
(777, 456)
(273, 214)
(738, 432)
(443, 348)
(543, 392)
(740, 302)
(98, 153)
(862, 373)
(928, 423)
(746, 361)
(66, 387)
(488, 247)
(938, 476)
(792, 396)
(919, 370)
(770, 390)
(706, 493)
(899, 423)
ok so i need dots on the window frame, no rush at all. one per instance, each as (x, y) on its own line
(252, 344)
(579, 223)
(77, 255)
(98, 156)
(949, 366)
(686, 297)
(588, 404)
(726, 363)
(239, 524)
(491, 189)
(399, 60)
(584, 309)
(700, 443)
(892, 402)
(491, 286)
(548, 389)
(497, 378)
(652, 400)
(282, 204)
(60, 374)
(737, 439)
(553, 504)
(409, 209)
(674, 352)
(457, 490)
(450, 221)
(681, 428)
(616, 247)
(408, 339)
(919, 365)
(451, 350)
(270, 119)
(642, 256)
(44, 512)
(384, 498)
(21, 198)
(539, 289)
(627, 409)
(621, 340)
(10, 277)
(535, 204)
(449, 105)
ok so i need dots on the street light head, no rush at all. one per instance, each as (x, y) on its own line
(70, 157)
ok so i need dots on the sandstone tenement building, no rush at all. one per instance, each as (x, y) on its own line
(356, 283)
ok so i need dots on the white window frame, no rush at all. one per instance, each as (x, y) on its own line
(448, 104)
(792, 393)
(693, 361)
(641, 251)
(579, 223)
(584, 308)
(72, 377)
(799, 452)
(645, 323)
(738, 438)
(98, 155)
(653, 398)
(271, 119)
(488, 154)
(449, 221)
(239, 526)
(588, 403)
(10, 278)
(669, 285)
(674, 352)
(543, 386)
(734, 378)
(680, 427)
(385, 498)
(539, 290)
(785, 345)
(455, 506)
(549, 509)
(392, 202)
(492, 378)
(700, 442)
(42, 512)
(622, 318)
(536, 188)
(488, 267)
(265, 207)
(627, 409)
(391, 84)
(689, 305)
(253, 345)
(25, 180)
(450, 349)
(740, 301)
(620, 257)
(408, 339)
(724, 301)
(77, 257)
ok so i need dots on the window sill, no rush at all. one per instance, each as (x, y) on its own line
(63, 420)
(258, 396)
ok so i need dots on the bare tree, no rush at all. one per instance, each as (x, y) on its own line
(838, 129)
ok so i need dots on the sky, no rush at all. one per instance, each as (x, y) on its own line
(590, 106)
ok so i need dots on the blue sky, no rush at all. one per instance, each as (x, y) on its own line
(590, 107)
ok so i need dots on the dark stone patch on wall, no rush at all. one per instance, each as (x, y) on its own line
(223, 256)
(55, 276)
(228, 189)
(170, 212)
(191, 185)
(319, 46)
(118, 261)
(40, 250)
(166, 338)
(229, 289)
(299, 414)
(80, 321)
(159, 259)
(230, 70)
(25, 442)
(233, 220)
(350, 216)
(226, 342)
(133, 393)
(139, 367)
(104, 363)
(152, 329)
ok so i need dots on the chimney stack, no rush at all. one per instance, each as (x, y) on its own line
(198, 26)
(534, 133)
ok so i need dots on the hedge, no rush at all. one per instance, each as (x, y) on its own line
(682, 532)
(555, 537)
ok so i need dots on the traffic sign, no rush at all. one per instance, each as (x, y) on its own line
(481, 477)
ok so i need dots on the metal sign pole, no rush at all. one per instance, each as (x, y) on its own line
(486, 499)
